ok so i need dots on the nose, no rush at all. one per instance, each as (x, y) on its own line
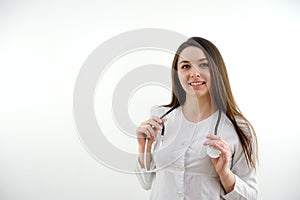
(195, 73)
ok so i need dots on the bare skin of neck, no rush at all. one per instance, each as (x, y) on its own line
(196, 109)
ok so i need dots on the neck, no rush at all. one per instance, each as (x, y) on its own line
(196, 109)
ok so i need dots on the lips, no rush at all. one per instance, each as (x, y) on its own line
(197, 83)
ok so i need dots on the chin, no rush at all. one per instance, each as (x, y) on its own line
(199, 93)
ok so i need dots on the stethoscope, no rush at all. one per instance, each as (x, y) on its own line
(211, 151)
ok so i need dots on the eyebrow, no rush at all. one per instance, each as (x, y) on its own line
(185, 61)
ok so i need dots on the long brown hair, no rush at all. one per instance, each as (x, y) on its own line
(221, 94)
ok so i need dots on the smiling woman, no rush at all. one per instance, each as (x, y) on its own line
(182, 166)
(192, 64)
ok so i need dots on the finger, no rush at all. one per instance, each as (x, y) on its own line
(210, 143)
(153, 132)
(161, 124)
(221, 144)
(154, 118)
(213, 143)
(223, 149)
(142, 132)
(219, 140)
(157, 119)
(213, 137)
(220, 147)
(150, 131)
(155, 125)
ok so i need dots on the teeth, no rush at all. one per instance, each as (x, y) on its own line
(197, 83)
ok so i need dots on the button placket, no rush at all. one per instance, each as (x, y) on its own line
(181, 169)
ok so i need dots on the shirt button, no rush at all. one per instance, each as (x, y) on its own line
(191, 125)
(181, 168)
(180, 194)
(183, 144)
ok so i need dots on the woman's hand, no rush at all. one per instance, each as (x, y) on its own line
(219, 163)
(148, 130)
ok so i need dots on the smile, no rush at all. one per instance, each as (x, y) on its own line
(197, 83)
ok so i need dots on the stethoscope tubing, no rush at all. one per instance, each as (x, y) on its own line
(211, 151)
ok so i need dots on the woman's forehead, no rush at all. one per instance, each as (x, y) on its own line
(191, 54)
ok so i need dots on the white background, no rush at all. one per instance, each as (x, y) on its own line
(44, 43)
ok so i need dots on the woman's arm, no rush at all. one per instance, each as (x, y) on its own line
(145, 156)
(145, 175)
(146, 136)
(227, 180)
(245, 186)
(238, 180)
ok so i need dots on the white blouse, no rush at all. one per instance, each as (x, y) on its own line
(180, 167)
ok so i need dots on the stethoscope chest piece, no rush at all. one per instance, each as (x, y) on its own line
(213, 152)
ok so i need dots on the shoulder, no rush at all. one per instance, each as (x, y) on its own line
(242, 124)
(228, 131)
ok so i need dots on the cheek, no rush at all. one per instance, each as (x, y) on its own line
(183, 80)
(182, 77)
(206, 75)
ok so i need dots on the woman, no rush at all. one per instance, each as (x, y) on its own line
(204, 148)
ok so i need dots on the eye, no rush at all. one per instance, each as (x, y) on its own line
(185, 66)
(203, 65)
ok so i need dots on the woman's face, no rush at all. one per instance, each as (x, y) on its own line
(193, 72)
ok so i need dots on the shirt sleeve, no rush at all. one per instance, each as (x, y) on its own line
(144, 176)
(245, 187)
